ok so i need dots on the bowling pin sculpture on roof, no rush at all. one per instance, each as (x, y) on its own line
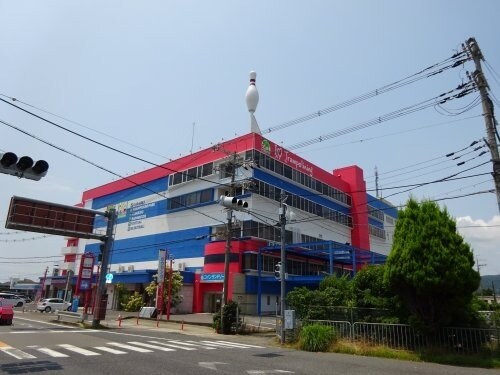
(252, 98)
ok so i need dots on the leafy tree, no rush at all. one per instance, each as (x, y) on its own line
(177, 298)
(430, 267)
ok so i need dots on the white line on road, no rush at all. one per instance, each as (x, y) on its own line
(192, 343)
(52, 353)
(109, 350)
(177, 346)
(151, 346)
(78, 350)
(16, 353)
(130, 347)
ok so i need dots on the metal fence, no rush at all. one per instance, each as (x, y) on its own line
(402, 336)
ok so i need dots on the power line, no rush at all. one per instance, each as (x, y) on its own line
(101, 167)
(389, 87)
(84, 126)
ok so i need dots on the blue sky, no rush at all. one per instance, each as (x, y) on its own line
(145, 72)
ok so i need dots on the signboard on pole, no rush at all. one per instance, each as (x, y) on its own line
(84, 281)
(52, 218)
(162, 258)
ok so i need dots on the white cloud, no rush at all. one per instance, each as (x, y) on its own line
(484, 238)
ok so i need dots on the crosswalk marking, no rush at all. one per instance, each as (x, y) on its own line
(78, 350)
(123, 348)
(16, 353)
(151, 346)
(130, 347)
(109, 350)
(227, 344)
(239, 344)
(52, 353)
(177, 346)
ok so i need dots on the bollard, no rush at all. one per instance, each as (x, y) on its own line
(119, 320)
(157, 321)
(137, 321)
(182, 325)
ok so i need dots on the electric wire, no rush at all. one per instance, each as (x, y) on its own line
(457, 61)
(84, 126)
(442, 98)
(98, 166)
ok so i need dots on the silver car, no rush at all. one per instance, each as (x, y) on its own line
(12, 299)
(52, 304)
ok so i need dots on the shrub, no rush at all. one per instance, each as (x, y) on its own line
(316, 338)
(134, 303)
(228, 316)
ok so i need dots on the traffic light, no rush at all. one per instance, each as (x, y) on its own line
(233, 203)
(277, 271)
(23, 166)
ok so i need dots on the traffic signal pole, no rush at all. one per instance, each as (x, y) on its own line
(101, 284)
(227, 252)
(282, 219)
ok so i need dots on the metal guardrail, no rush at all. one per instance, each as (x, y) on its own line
(402, 336)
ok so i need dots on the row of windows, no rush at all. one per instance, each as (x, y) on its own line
(191, 174)
(375, 213)
(270, 233)
(377, 232)
(298, 267)
(190, 199)
(278, 167)
(303, 204)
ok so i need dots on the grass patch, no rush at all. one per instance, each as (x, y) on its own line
(316, 338)
(434, 355)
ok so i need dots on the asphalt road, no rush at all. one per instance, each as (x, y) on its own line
(36, 344)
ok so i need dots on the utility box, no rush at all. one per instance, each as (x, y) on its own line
(289, 319)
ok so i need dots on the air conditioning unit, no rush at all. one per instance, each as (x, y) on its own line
(130, 268)
(181, 266)
(121, 269)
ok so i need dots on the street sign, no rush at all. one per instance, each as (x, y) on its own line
(52, 218)
(109, 278)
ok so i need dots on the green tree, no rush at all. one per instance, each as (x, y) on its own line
(430, 267)
(177, 298)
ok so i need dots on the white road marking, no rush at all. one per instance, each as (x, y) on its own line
(109, 350)
(239, 344)
(52, 353)
(229, 344)
(151, 346)
(177, 346)
(192, 343)
(78, 350)
(130, 347)
(16, 353)
(211, 365)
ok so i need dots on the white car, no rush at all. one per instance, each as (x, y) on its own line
(12, 299)
(53, 304)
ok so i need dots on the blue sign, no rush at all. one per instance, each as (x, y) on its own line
(212, 277)
(109, 278)
(85, 285)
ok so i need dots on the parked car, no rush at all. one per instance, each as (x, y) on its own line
(13, 299)
(53, 304)
(6, 312)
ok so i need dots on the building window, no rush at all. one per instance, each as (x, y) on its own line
(190, 199)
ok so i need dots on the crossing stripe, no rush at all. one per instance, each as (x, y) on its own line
(192, 343)
(226, 344)
(130, 347)
(239, 344)
(109, 350)
(78, 350)
(52, 353)
(177, 346)
(151, 346)
(16, 353)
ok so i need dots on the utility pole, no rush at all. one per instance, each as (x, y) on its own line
(282, 218)
(227, 253)
(99, 310)
(42, 287)
(474, 51)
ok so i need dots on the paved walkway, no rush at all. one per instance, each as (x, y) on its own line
(184, 323)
